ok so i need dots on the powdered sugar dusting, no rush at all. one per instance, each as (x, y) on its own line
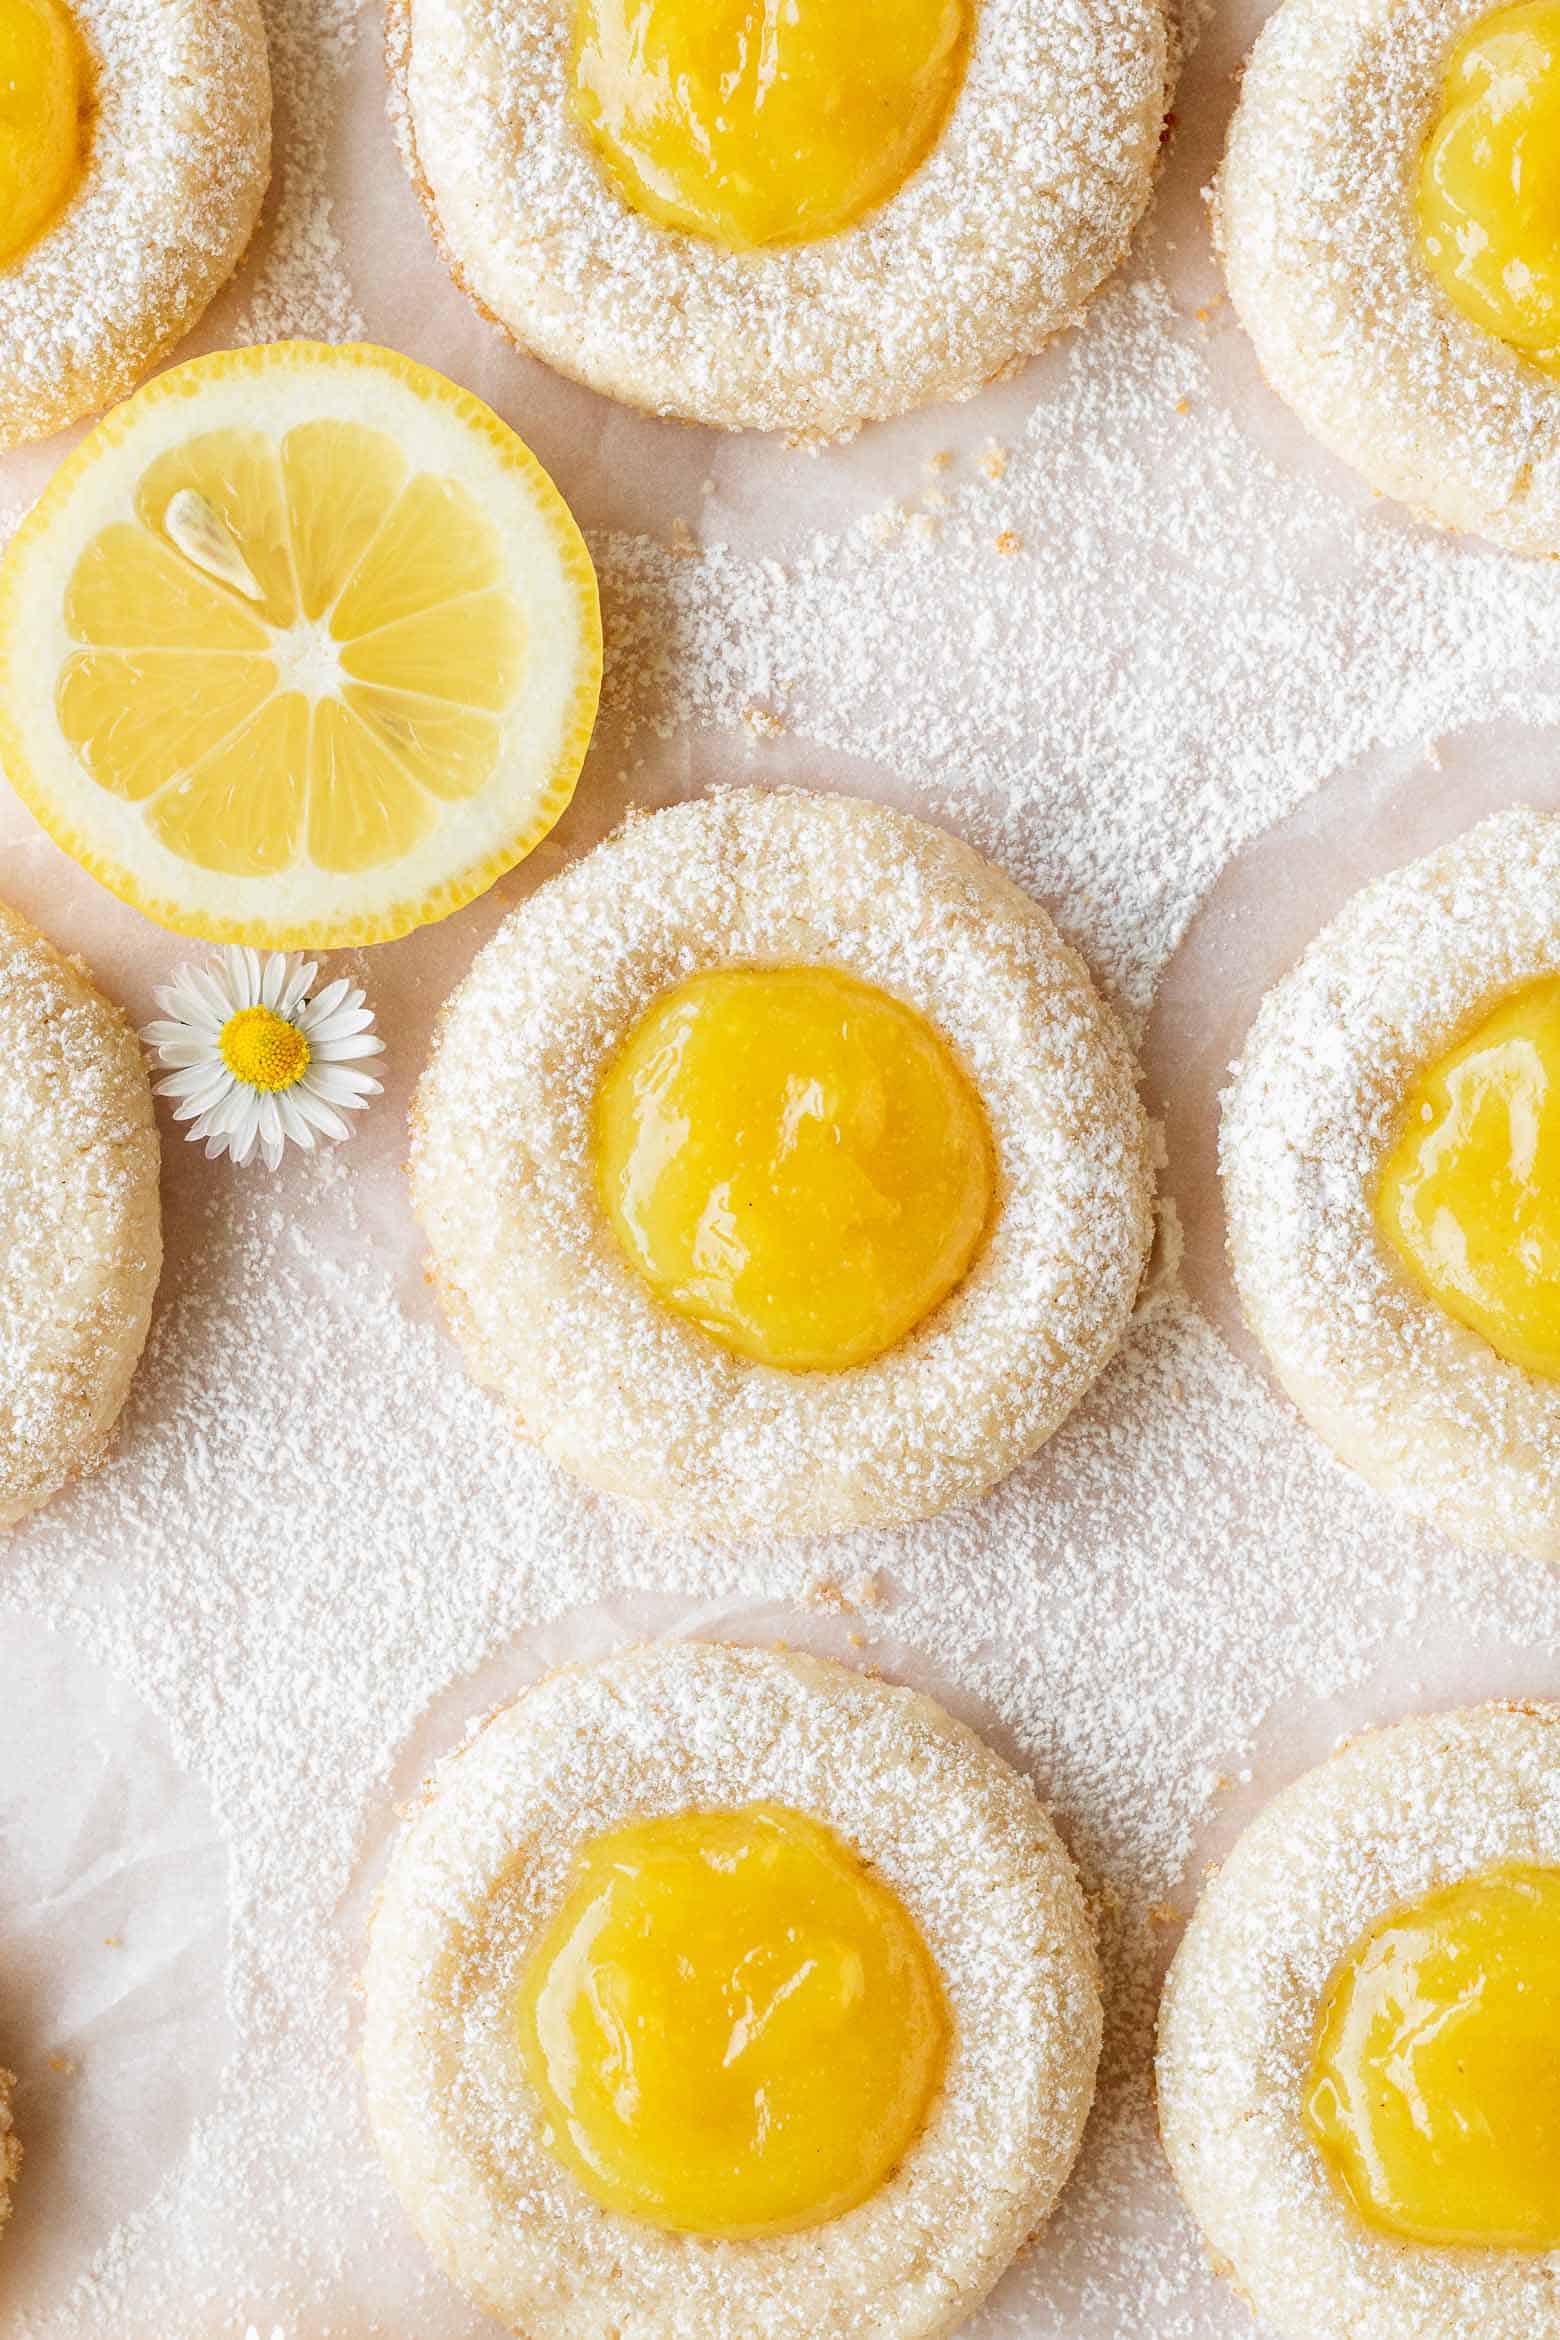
(993, 244)
(294, 1623)
(1394, 1816)
(1320, 230)
(1137, 684)
(480, 1870)
(557, 1323)
(1423, 1406)
(78, 1204)
(1130, 624)
(301, 286)
(172, 182)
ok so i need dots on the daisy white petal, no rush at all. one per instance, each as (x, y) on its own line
(253, 1063)
(199, 1083)
(295, 1123)
(241, 1120)
(339, 1085)
(179, 1055)
(325, 1005)
(341, 1026)
(348, 1051)
(173, 1039)
(184, 1000)
(215, 994)
(296, 989)
(323, 1116)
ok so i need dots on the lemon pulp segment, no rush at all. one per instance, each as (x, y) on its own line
(765, 121)
(299, 648)
(1434, 2092)
(734, 2027)
(794, 1160)
(42, 97)
(323, 709)
(1469, 1198)
(1489, 180)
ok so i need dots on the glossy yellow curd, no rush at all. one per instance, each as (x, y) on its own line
(1489, 180)
(734, 2027)
(43, 85)
(793, 1160)
(765, 121)
(1435, 2082)
(1470, 1195)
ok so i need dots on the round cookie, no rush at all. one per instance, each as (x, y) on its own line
(1316, 222)
(998, 241)
(80, 1224)
(1397, 1814)
(642, 1403)
(686, 1726)
(176, 162)
(1420, 1404)
(10, 2148)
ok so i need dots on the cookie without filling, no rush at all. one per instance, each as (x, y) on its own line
(80, 1222)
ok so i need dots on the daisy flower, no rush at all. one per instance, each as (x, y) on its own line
(255, 1061)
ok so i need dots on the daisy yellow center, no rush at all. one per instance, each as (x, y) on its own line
(1489, 180)
(795, 1161)
(42, 97)
(734, 2027)
(765, 121)
(261, 1049)
(1435, 2082)
(1470, 1196)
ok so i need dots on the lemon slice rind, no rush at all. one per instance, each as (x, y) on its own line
(476, 837)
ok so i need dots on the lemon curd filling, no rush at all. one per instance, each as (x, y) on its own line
(795, 1161)
(765, 121)
(42, 99)
(1435, 2080)
(1489, 180)
(1470, 1195)
(734, 2027)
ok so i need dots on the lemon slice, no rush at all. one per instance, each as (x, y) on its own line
(300, 648)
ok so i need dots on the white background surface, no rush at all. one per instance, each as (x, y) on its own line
(1214, 689)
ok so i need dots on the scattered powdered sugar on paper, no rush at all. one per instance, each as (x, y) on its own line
(1108, 682)
(302, 285)
(1110, 640)
(315, 1528)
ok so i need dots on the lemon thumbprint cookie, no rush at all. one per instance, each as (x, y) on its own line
(1389, 214)
(787, 219)
(724, 1993)
(782, 1168)
(80, 1226)
(1391, 1156)
(134, 150)
(1359, 2088)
